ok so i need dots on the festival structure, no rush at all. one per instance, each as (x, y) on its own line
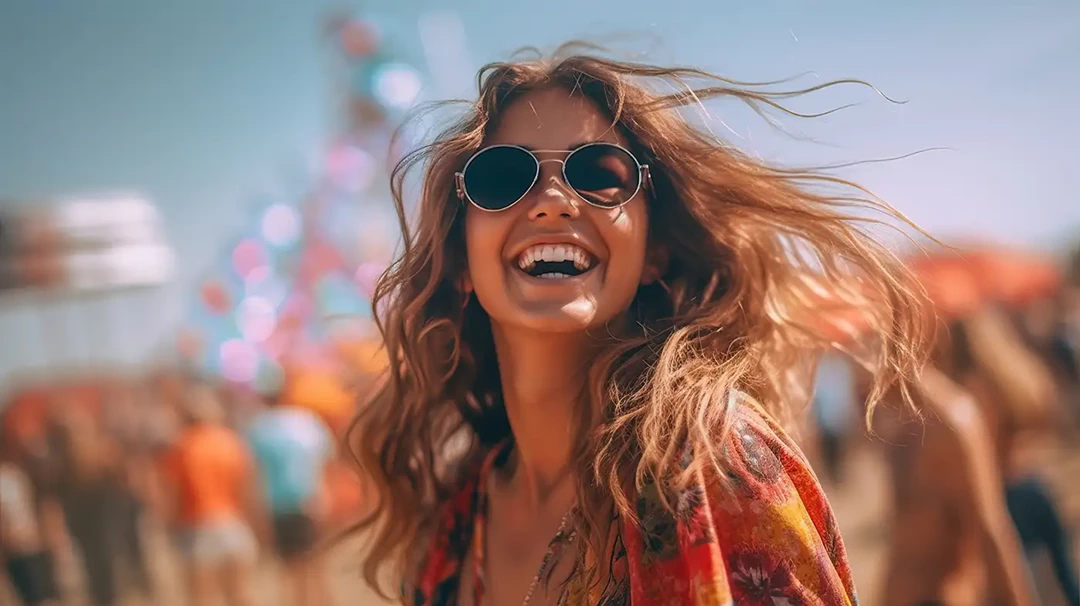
(289, 307)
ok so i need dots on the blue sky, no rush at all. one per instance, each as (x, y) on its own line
(206, 106)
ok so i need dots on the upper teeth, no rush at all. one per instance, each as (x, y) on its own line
(555, 253)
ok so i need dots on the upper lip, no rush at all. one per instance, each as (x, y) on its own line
(553, 239)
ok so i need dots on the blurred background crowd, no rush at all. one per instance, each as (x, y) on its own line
(181, 357)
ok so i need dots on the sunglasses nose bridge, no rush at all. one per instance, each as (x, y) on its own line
(546, 174)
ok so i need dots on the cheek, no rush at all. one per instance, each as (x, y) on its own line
(484, 238)
(627, 235)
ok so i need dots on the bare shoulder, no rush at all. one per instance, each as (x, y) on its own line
(957, 408)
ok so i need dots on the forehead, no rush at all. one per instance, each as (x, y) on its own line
(553, 118)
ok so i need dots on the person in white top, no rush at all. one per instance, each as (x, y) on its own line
(27, 560)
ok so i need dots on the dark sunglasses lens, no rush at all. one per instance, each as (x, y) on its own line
(604, 175)
(499, 176)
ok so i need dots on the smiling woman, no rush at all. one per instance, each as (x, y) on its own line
(601, 303)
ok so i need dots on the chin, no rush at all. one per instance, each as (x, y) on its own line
(556, 324)
(554, 317)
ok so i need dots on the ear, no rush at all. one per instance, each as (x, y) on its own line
(657, 258)
(466, 282)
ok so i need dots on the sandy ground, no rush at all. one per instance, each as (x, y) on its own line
(860, 505)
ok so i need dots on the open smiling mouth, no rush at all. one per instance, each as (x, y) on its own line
(553, 261)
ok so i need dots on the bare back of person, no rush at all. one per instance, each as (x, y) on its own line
(951, 539)
(933, 551)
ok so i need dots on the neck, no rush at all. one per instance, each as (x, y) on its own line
(543, 382)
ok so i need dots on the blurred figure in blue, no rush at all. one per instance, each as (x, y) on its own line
(1018, 393)
(293, 447)
(833, 405)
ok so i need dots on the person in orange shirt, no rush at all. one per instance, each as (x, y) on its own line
(209, 493)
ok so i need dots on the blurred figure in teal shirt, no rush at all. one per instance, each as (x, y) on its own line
(293, 447)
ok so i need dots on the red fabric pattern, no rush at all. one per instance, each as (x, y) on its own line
(764, 536)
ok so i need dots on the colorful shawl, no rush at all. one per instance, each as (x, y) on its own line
(766, 538)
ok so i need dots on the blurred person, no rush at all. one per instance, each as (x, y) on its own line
(85, 471)
(126, 418)
(593, 335)
(951, 541)
(23, 546)
(26, 433)
(833, 407)
(1018, 395)
(1064, 349)
(1045, 329)
(164, 400)
(209, 489)
(293, 448)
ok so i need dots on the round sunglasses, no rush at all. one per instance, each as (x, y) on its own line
(603, 174)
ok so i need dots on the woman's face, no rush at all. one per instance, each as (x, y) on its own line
(612, 242)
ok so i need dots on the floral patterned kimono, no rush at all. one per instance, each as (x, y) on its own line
(767, 538)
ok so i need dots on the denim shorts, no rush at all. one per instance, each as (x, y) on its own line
(218, 542)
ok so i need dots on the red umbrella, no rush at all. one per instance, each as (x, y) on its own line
(1015, 278)
(951, 285)
(960, 281)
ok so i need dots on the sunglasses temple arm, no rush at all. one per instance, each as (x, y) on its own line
(459, 185)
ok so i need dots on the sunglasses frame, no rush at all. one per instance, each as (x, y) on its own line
(644, 177)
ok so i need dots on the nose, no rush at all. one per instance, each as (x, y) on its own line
(553, 200)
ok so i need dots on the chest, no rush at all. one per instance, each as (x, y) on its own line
(515, 558)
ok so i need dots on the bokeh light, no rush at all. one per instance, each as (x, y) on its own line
(239, 360)
(366, 276)
(215, 296)
(359, 38)
(248, 256)
(336, 296)
(350, 168)
(376, 233)
(263, 283)
(281, 225)
(397, 85)
(256, 318)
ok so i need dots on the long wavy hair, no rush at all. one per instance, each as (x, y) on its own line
(752, 250)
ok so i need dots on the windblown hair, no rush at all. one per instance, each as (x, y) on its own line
(753, 249)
